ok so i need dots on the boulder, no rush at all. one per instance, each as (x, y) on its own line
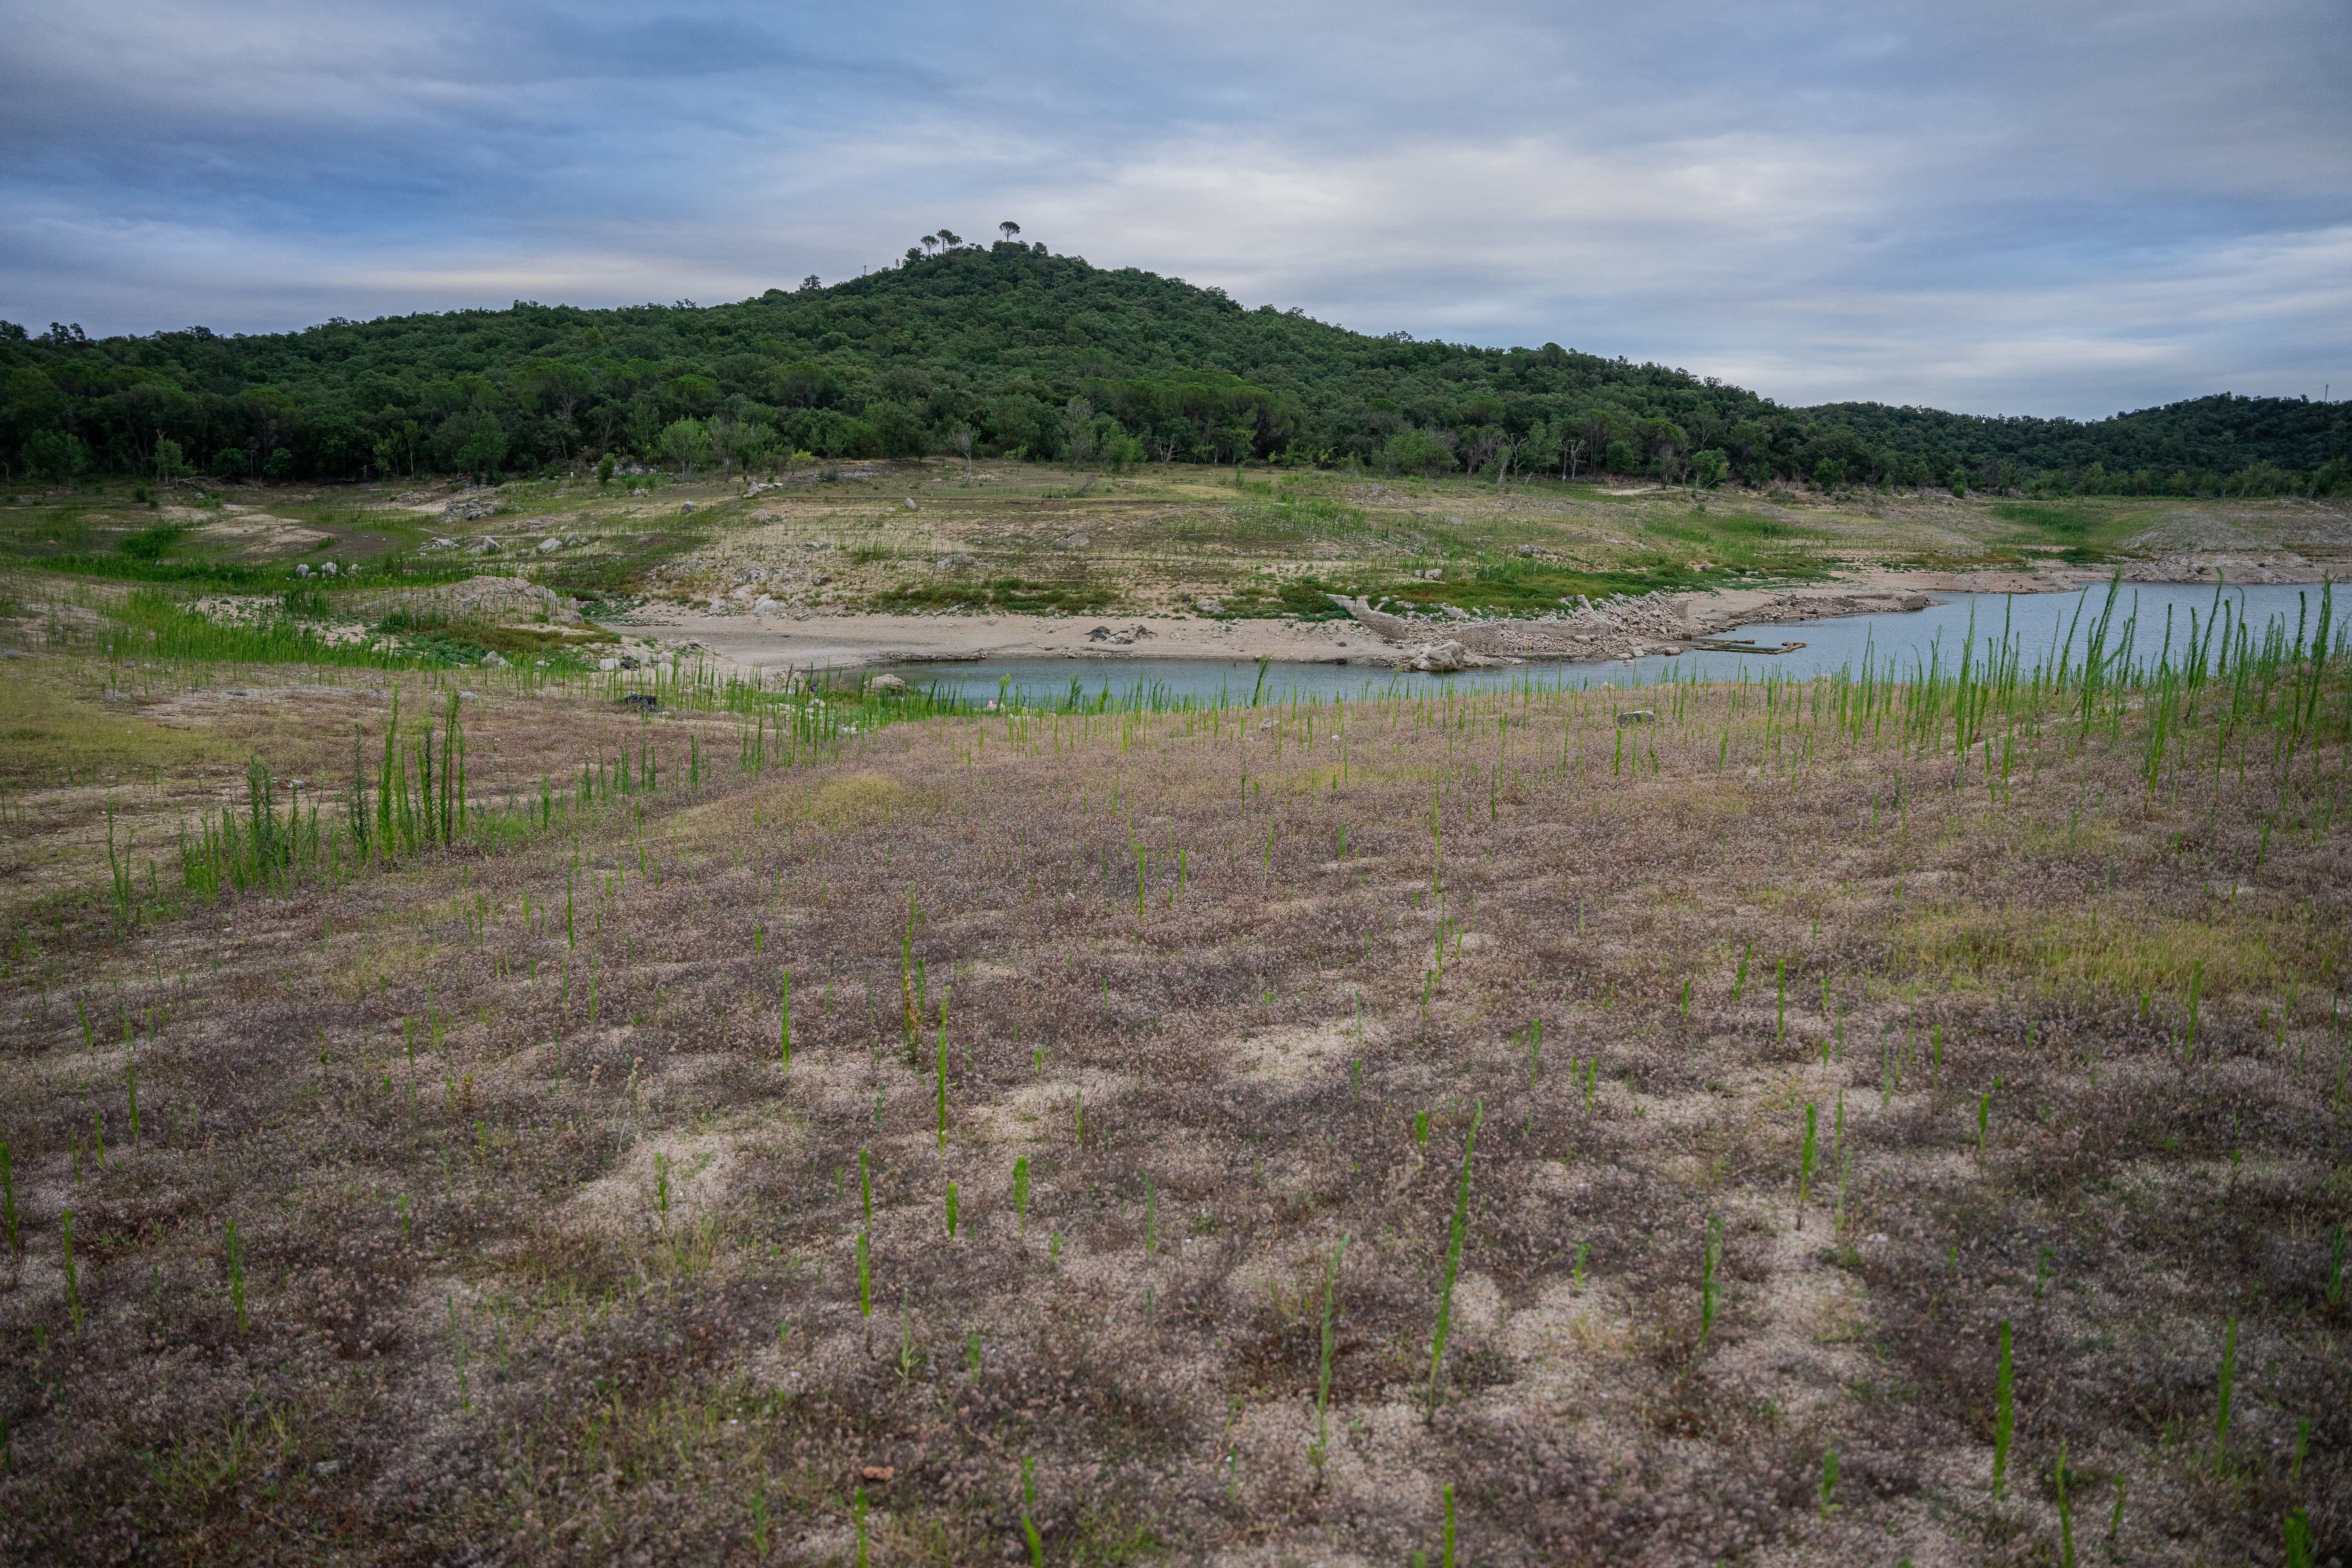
(1443, 658)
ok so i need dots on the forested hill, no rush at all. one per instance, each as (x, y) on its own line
(1000, 344)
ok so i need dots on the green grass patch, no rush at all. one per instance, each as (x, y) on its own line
(537, 642)
(156, 625)
(1014, 595)
(2143, 952)
(1308, 598)
(618, 567)
(1261, 522)
(154, 543)
(1518, 585)
(47, 729)
(2084, 535)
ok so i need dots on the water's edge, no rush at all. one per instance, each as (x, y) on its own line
(2158, 616)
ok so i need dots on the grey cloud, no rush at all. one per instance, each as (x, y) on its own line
(2052, 207)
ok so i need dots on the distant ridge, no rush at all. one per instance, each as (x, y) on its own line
(998, 341)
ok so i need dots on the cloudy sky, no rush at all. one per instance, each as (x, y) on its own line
(2049, 207)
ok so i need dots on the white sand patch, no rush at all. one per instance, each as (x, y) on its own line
(1302, 1053)
(259, 530)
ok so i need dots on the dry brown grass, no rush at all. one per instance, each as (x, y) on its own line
(633, 1379)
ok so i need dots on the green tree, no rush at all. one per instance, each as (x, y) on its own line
(1077, 430)
(1666, 443)
(1830, 473)
(56, 458)
(1418, 451)
(745, 443)
(279, 465)
(484, 448)
(1538, 448)
(1599, 432)
(171, 462)
(1483, 444)
(1709, 468)
(898, 428)
(1120, 451)
(685, 443)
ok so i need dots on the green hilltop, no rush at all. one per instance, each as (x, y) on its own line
(995, 344)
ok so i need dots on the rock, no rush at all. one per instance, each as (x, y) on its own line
(886, 683)
(494, 660)
(608, 664)
(326, 568)
(684, 507)
(1443, 658)
(910, 504)
(766, 606)
(1632, 717)
(547, 544)
(302, 570)
(1209, 607)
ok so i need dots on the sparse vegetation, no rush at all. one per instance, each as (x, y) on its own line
(479, 1167)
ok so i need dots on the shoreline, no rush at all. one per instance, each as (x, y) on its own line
(808, 642)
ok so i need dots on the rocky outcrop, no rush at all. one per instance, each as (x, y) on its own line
(1621, 626)
(1443, 659)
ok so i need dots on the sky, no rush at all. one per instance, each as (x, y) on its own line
(1985, 206)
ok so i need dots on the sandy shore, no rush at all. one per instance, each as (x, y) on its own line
(804, 641)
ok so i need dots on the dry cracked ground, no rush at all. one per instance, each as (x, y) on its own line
(545, 1252)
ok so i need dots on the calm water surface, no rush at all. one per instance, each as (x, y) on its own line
(2039, 623)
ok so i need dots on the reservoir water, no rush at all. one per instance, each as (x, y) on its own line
(2040, 624)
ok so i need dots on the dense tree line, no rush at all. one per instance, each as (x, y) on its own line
(1004, 350)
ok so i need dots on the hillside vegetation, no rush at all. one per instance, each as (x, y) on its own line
(1008, 351)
